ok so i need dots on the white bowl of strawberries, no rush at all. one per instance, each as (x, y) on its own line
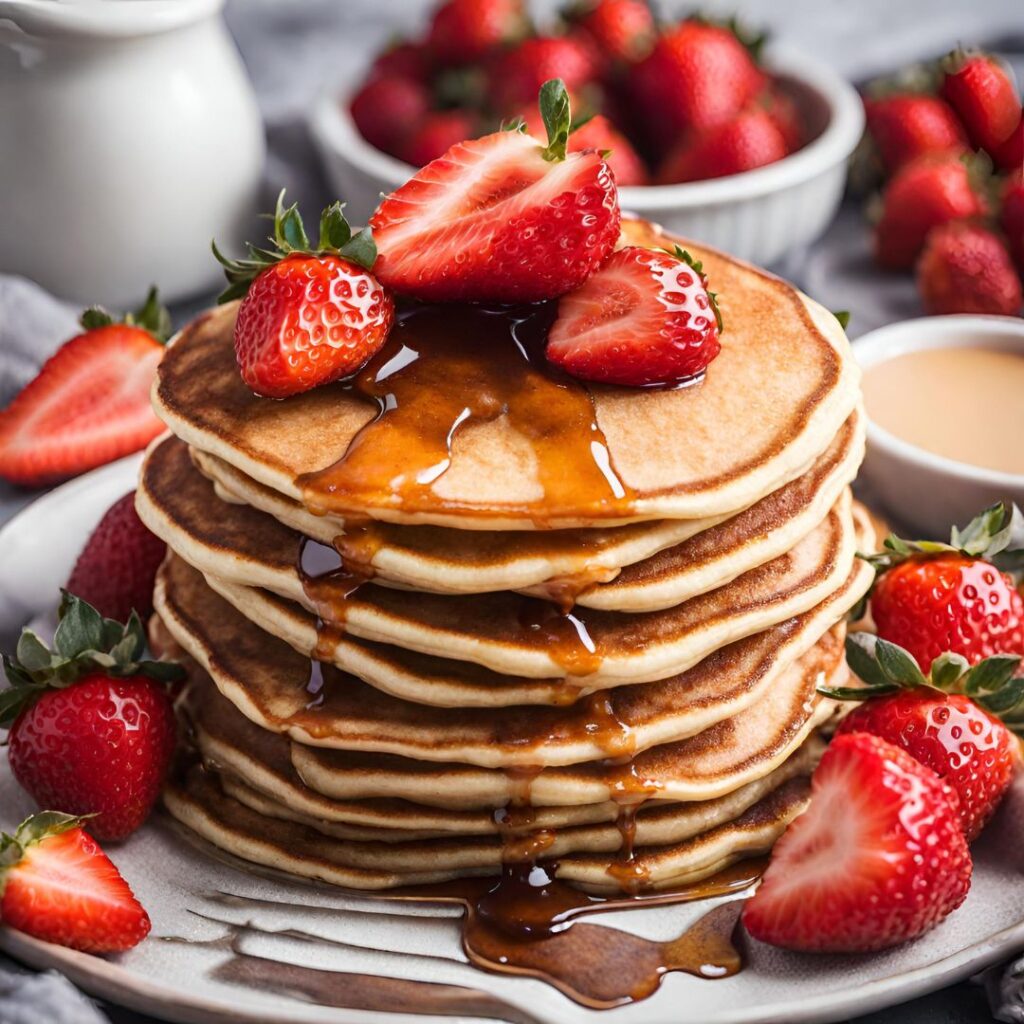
(753, 163)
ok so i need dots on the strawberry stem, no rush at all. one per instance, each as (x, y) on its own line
(152, 316)
(554, 109)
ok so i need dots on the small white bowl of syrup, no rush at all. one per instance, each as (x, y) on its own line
(945, 404)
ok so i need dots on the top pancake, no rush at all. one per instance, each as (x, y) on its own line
(770, 405)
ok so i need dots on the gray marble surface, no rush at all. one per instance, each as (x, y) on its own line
(296, 48)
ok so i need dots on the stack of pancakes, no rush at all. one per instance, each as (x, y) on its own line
(464, 611)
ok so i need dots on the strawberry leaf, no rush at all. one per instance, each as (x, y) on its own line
(990, 675)
(899, 665)
(947, 668)
(554, 109)
(152, 317)
(843, 316)
(334, 229)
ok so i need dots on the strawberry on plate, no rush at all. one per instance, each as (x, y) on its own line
(622, 30)
(464, 31)
(502, 218)
(116, 570)
(905, 125)
(933, 598)
(388, 108)
(310, 315)
(878, 857)
(92, 729)
(89, 405)
(57, 885)
(929, 191)
(646, 317)
(697, 77)
(966, 268)
(518, 75)
(941, 719)
(982, 93)
(751, 139)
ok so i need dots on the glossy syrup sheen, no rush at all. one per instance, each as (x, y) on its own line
(444, 368)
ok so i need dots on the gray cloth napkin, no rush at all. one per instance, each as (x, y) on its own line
(295, 49)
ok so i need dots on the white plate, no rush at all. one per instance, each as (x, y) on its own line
(175, 878)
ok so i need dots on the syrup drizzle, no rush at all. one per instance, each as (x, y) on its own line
(444, 368)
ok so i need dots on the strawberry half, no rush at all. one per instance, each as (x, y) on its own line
(877, 859)
(310, 315)
(646, 317)
(59, 886)
(89, 405)
(91, 724)
(502, 218)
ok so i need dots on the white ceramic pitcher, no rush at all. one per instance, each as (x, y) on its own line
(129, 137)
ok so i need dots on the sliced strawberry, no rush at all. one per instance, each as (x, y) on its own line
(981, 91)
(90, 402)
(645, 317)
(59, 886)
(878, 858)
(501, 218)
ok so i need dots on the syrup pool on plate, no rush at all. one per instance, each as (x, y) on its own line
(965, 404)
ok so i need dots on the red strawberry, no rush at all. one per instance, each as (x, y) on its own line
(387, 108)
(117, 568)
(518, 75)
(402, 60)
(931, 598)
(501, 218)
(785, 113)
(907, 125)
(877, 859)
(90, 402)
(465, 31)
(310, 315)
(59, 886)
(973, 752)
(646, 317)
(622, 30)
(437, 133)
(751, 139)
(91, 726)
(697, 77)
(1011, 218)
(965, 268)
(928, 191)
(1009, 155)
(979, 89)
(599, 133)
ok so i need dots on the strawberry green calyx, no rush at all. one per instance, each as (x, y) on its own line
(697, 266)
(152, 317)
(290, 239)
(752, 41)
(33, 830)
(995, 535)
(885, 668)
(554, 109)
(83, 642)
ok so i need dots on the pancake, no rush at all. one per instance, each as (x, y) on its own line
(555, 562)
(477, 433)
(241, 549)
(197, 801)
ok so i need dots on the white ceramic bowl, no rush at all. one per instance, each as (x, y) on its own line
(759, 215)
(916, 486)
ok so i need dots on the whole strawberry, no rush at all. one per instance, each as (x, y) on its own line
(465, 31)
(970, 749)
(1011, 216)
(117, 568)
(91, 725)
(904, 126)
(751, 139)
(310, 315)
(878, 857)
(518, 75)
(387, 109)
(403, 60)
(623, 31)
(436, 134)
(982, 93)
(965, 268)
(90, 402)
(786, 115)
(57, 885)
(697, 77)
(925, 193)
(502, 218)
(1009, 155)
(932, 598)
(646, 317)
